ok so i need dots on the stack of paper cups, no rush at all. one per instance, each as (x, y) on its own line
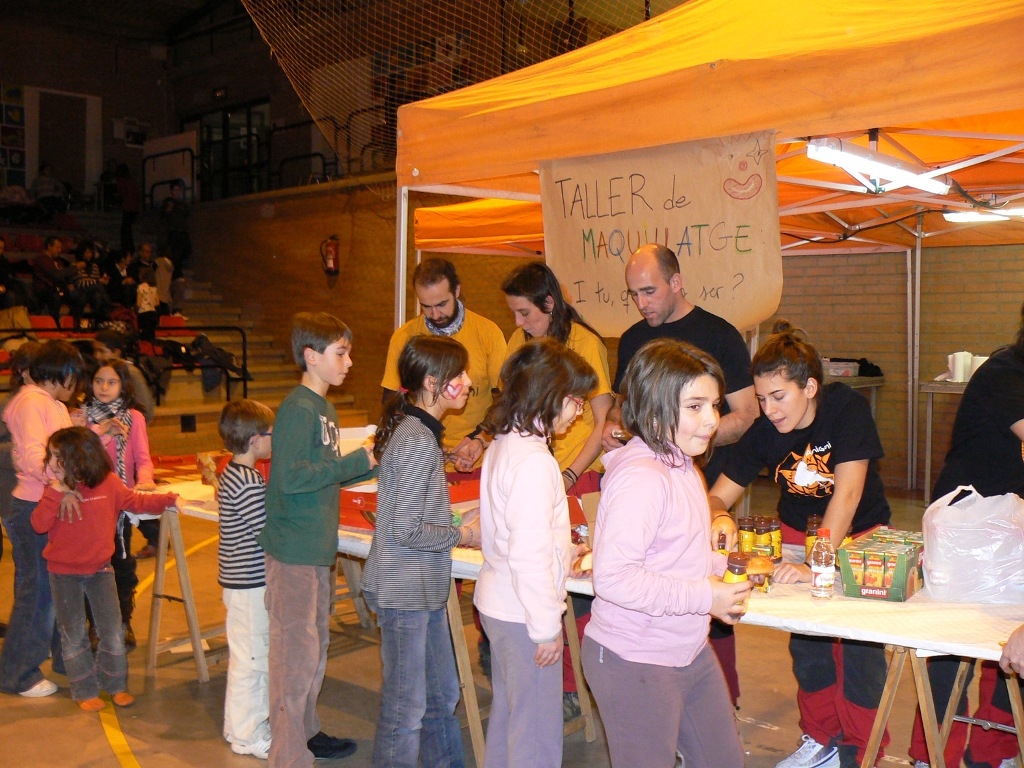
(976, 361)
(960, 366)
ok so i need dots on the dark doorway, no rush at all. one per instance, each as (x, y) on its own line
(62, 139)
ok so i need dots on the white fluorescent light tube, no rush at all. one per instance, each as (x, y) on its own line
(961, 217)
(875, 165)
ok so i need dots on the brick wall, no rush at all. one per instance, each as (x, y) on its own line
(970, 300)
(855, 306)
(131, 82)
(264, 253)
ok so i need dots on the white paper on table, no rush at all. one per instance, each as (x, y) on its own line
(353, 438)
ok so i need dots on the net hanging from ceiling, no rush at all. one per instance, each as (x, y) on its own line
(353, 63)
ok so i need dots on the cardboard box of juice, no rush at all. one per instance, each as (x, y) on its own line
(884, 564)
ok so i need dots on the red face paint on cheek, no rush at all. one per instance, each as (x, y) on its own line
(454, 389)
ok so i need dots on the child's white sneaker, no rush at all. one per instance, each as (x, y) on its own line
(43, 688)
(260, 749)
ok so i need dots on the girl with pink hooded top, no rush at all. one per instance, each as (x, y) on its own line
(656, 577)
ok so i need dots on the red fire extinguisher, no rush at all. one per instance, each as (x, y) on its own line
(329, 255)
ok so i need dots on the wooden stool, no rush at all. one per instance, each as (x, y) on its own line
(170, 530)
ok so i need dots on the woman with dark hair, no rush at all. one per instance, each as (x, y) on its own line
(540, 309)
(408, 571)
(986, 451)
(657, 581)
(524, 521)
(820, 445)
(90, 285)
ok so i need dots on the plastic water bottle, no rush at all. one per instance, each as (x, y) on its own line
(823, 565)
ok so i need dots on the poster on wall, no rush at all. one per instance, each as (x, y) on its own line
(12, 135)
(713, 202)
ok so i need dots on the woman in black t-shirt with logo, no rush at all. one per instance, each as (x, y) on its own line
(820, 446)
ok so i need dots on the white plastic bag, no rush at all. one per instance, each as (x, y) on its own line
(974, 548)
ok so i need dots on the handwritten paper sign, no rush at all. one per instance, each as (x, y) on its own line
(713, 203)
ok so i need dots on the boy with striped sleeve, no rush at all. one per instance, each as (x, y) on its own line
(245, 427)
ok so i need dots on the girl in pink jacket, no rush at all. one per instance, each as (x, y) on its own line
(524, 522)
(32, 415)
(656, 578)
(111, 413)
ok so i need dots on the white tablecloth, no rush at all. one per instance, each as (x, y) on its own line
(932, 627)
(961, 629)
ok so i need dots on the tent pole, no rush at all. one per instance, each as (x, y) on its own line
(916, 335)
(911, 354)
(401, 254)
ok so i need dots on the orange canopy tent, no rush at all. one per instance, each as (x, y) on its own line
(944, 87)
(932, 82)
(489, 226)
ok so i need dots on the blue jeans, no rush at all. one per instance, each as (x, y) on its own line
(108, 669)
(420, 691)
(30, 630)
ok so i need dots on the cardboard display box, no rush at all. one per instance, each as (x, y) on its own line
(884, 564)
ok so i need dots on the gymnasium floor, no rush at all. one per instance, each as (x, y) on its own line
(176, 721)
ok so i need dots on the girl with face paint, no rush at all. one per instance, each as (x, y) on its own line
(408, 571)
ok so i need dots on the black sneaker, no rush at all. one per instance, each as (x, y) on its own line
(570, 706)
(326, 747)
(484, 648)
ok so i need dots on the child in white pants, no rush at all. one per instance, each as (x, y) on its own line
(245, 427)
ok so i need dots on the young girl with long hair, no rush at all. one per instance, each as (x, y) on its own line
(540, 309)
(820, 445)
(535, 297)
(77, 557)
(407, 576)
(657, 581)
(111, 412)
(524, 519)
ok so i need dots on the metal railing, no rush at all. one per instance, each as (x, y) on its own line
(166, 332)
(189, 189)
(170, 331)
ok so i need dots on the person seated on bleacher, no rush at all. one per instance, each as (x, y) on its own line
(121, 285)
(53, 278)
(144, 259)
(147, 303)
(13, 292)
(90, 285)
(49, 192)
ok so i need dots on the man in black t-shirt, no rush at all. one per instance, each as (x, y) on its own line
(987, 452)
(988, 433)
(656, 286)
